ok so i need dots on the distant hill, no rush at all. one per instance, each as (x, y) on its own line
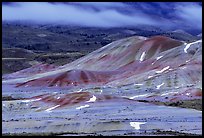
(181, 35)
(200, 35)
(25, 45)
(17, 53)
(74, 39)
(15, 59)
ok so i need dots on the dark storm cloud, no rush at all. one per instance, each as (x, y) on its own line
(105, 14)
(190, 13)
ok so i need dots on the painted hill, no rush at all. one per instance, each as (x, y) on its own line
(157, 63)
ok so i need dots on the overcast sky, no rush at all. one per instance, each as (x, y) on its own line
(106, 14)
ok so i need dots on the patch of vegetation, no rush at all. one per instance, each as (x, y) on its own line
(194, 104)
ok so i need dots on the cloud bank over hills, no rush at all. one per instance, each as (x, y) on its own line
(107, 14)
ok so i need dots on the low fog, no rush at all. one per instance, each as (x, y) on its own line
(105, 14)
